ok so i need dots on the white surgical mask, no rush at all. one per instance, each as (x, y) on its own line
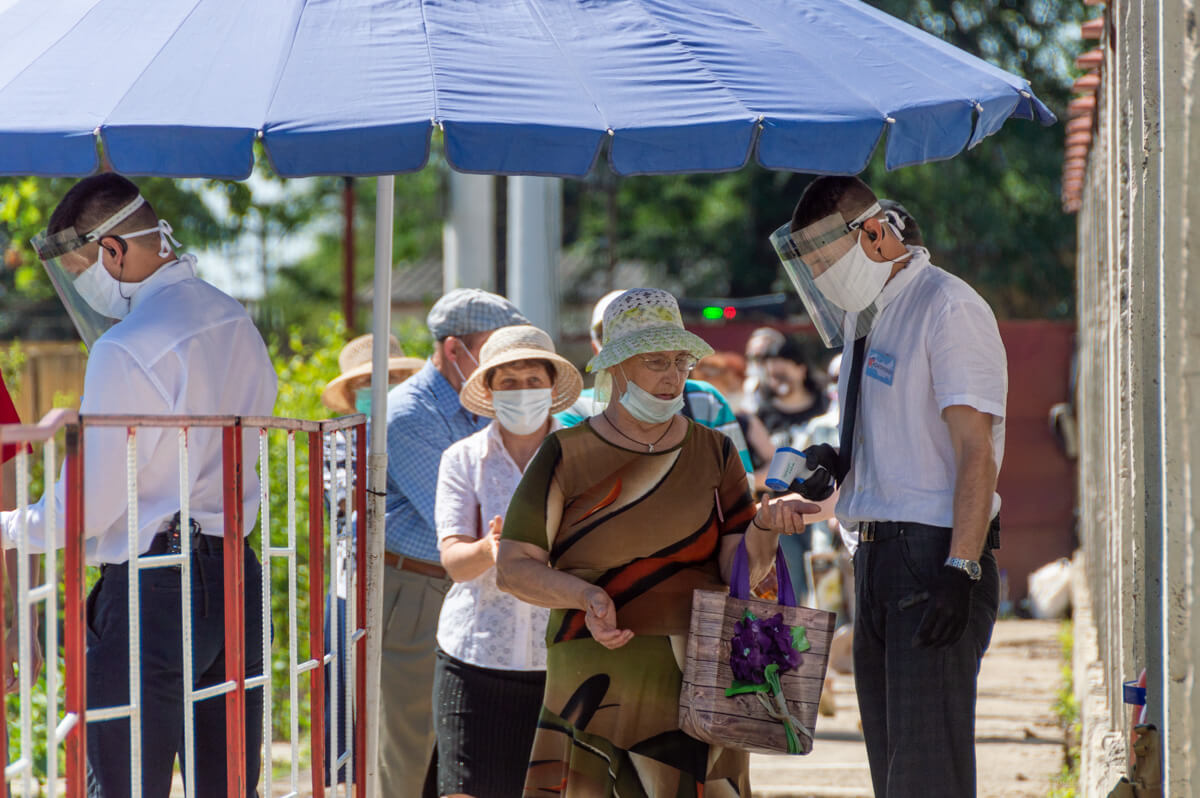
(645, 406)
(522, 412)
(107, 295)
(854, 280)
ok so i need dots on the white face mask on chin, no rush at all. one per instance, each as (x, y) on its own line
(854, 281)
(645, 406)
(522, 412)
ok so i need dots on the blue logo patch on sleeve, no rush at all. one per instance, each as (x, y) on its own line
(881, 366)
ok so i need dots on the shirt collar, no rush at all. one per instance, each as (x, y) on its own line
(494, 444)
(902, 279)
(168, 274)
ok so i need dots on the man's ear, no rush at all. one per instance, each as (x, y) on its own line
(116, 248)
(873, 229)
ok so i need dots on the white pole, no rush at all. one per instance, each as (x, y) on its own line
(377, 466)
(534, 246)
(469, 233)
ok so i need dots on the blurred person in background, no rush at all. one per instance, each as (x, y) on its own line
(347, 393)
(760, 342)
(726, 371)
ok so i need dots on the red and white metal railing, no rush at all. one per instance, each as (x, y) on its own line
(70, 730)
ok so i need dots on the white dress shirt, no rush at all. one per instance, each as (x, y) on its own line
(934, 344)
(481, 624)
(184, 349)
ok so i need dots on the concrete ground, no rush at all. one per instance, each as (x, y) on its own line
(1019, 747)
(1018, 744)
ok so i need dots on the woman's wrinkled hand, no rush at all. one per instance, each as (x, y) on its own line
(601, 619)
(785, 514)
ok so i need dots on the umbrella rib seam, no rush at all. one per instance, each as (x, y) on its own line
(755, 115)
(536, 12)
(437, 108)
(283, 62)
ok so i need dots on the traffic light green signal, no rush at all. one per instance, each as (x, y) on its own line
(717, 312)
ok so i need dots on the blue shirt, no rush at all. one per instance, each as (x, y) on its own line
(424, 417)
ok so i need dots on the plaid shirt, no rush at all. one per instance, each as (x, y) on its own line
(424, 417)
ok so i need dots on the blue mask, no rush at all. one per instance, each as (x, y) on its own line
(362, 400)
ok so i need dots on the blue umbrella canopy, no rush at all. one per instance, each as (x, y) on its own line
(355, 87)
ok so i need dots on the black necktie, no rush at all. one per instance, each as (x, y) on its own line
(846, 443)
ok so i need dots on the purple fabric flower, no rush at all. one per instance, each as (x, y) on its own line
(758, 643)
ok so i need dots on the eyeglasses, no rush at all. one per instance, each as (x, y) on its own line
(684, 363)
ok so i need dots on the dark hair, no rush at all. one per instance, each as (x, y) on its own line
(94, 199)
(830, 194)
(912, 230)
(803, 352)
(529, 361)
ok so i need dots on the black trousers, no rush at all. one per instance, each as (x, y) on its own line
(917, 704)
(162, 676)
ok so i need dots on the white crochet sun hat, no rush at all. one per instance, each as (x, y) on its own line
(639, 321)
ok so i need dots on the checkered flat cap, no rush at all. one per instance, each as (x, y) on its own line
(470, 310)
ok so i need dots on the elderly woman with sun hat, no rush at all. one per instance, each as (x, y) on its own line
(614, 524)
(491, 659)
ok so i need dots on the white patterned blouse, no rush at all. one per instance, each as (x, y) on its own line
(480, 624)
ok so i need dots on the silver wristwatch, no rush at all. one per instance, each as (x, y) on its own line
(969, 567)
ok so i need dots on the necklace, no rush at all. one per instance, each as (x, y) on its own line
(649, 446)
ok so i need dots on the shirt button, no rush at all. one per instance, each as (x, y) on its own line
(858, 489)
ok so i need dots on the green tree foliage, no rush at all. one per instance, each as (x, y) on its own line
(991, 215)
(308, 288)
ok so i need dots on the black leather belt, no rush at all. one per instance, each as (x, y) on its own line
(878, 531)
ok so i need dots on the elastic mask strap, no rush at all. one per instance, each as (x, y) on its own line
(166, 240)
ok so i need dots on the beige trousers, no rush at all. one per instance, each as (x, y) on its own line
(412, 604)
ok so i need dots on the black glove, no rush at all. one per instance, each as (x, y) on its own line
(949, 609)
(822, 459)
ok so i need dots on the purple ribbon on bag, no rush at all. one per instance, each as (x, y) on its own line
(739, 584)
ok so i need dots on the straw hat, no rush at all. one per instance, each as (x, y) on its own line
(355, 362)
(508, 345)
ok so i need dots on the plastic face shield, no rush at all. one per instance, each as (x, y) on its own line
(66, 255)
(808, 253)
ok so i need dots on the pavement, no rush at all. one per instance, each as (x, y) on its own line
(1018, 745)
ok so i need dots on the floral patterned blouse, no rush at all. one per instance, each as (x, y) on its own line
(480, 624)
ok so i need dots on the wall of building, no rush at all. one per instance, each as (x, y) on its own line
(1139, 385)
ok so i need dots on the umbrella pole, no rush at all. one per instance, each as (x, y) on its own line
(377, 469)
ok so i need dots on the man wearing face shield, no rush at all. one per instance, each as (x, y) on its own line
(161, 342)
(923, 386)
